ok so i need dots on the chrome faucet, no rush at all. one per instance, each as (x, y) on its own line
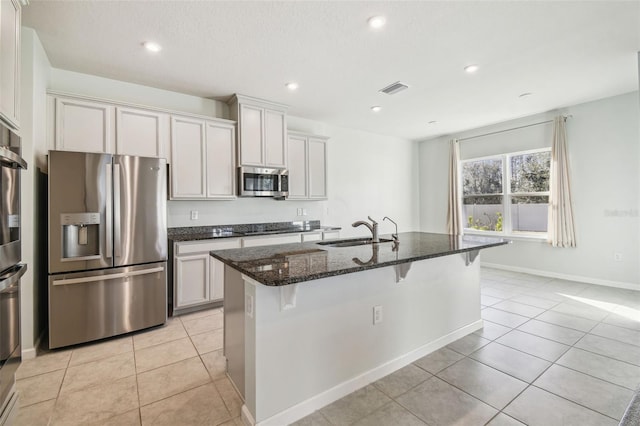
(373, 227)
(394, 236)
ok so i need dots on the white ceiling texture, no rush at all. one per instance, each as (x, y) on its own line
(562, 52)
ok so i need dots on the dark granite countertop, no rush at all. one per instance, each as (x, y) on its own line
(297, 262)
(194, 233)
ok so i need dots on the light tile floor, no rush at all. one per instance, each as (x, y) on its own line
(172, 375)
(552, 352)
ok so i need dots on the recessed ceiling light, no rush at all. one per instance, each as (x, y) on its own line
(376, 108)
(470, 69)
(377, 21)
(152, 46)
(292, 85)
(525, 94)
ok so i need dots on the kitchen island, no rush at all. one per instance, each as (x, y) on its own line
(308, 323)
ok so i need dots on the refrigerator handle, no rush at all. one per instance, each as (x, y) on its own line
(91, 279)
(109, 212)
(116, 211)
(11, 276)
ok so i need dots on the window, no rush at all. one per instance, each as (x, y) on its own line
(507, 194)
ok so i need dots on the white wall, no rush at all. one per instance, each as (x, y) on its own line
(105, 88)
(605, 175)
(34, 79)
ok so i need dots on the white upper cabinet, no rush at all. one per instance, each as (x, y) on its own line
(297, 151)
(84, 126)
(188, 160)
(250, 132)
(317, 167)
(262, 134)
(203, 159)
(275, 135)
(10, 17)
(307, 160)
(221, 160)
(142, 132)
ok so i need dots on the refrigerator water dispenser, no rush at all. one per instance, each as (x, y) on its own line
(80, 236)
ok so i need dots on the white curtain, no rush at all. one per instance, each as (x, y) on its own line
(454, 224)
(561, 232)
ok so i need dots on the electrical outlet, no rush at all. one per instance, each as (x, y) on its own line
(299, 212)
(617, 257)
(377, 314)
(304, 212)
(194, 214)
(248, 308)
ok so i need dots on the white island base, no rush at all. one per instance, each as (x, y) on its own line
(296, 348)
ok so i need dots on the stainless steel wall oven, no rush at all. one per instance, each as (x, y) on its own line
(11, 270)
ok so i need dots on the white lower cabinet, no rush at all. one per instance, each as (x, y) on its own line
(311, 236)
(198, 277)
(192, 279)
(330, 235)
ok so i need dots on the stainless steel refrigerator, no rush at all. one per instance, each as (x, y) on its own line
(107, 245)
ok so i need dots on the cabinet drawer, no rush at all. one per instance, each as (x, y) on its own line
(206, 245)
(270, 240)
(330, 235)
(311, 236)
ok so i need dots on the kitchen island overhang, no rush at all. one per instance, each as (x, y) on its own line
(295, 345)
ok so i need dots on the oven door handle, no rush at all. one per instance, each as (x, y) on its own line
(11, 159)
(11, 277)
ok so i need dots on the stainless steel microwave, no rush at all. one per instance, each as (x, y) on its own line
(263, 182)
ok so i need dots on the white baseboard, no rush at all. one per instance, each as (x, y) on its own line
(31, 353)
(246, 417)
(312, 404)
(569, 277)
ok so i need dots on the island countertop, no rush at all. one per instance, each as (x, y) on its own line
(284, 264)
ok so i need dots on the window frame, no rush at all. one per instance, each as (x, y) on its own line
(507, 228)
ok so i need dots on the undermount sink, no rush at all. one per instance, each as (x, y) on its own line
(352, 242)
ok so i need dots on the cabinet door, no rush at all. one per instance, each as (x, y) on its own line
(188, 174)
(275, 142)
(317, 168)
(311, 236)
(216, 279)
(140, 132)
(251, 142)
(10, 14)
(297, 161)
(84, 126)
(191, 280)
(220, 161)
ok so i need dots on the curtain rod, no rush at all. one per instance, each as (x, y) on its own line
(513, 128)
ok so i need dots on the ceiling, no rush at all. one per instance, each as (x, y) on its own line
(562, 52)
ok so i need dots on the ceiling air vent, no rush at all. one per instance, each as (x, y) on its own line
(394, 88)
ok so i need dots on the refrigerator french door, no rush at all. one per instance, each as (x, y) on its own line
(107, 245)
